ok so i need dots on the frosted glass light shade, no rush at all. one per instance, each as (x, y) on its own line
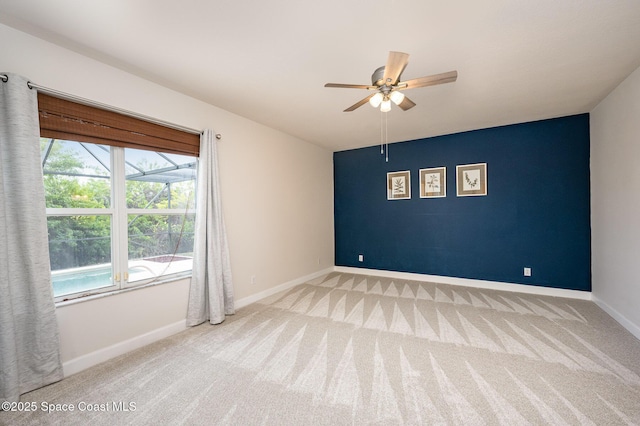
(385, 106)
(376, 100)
(396, 97)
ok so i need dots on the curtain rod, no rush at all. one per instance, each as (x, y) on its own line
(83, 101)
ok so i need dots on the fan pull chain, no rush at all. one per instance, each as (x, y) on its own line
(386, 137)
(381, 134)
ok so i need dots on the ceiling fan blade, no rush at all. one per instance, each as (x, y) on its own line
(406, 104)
(349, 86)
(396, 63)
(359, 104)
(432, 80)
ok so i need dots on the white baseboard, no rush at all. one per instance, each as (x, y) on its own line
(241, 303)
(83, 362)
(101, 355)
(624, 321)
(466, 282)
(94, 358)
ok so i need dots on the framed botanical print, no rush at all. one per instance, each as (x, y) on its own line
(471, 180)
(399, 185)
(433, 182)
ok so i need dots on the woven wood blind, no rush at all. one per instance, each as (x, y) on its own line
(63, 119)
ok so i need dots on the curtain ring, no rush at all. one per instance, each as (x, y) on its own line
(4, 78)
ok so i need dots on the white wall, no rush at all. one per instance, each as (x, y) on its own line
(277, 194)
(615, 203)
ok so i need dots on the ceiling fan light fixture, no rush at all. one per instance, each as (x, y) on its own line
(385, 106)
(397, 97)
(386, 83)
(376, 100)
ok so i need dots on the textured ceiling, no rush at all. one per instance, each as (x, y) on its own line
(268, 60)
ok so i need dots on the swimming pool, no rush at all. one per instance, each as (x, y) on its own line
(88, 278)
(81, 279)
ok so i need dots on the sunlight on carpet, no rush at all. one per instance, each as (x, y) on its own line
(355, 349)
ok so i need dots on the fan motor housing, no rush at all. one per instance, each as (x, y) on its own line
(377, 77)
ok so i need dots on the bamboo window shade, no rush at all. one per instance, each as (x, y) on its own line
(67, 120)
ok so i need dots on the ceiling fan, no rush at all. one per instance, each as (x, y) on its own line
(385, 81)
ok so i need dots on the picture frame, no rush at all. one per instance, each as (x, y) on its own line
(471, 180)
(433, 182)
(399, 185)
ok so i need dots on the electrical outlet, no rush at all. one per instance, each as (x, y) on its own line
(253, 279)
(361, 258)
(527, 272)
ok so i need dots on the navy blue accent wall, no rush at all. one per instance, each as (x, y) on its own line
(536, 213)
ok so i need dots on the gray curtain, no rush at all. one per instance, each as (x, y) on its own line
(29, 348)
(211, 291)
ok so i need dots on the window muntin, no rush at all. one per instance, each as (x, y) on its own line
(117, 217)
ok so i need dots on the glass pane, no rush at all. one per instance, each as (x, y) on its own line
(76, 174)
(157, 180)
(80, 253)
(160, 245)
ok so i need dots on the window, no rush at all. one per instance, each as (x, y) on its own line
(120, 195)
(117, 217)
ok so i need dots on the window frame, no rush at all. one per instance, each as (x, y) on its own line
(119, 233)
(69, 118)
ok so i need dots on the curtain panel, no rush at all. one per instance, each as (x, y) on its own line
(29, 346)
(211, 291)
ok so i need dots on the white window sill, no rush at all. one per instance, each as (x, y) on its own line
(87, 298)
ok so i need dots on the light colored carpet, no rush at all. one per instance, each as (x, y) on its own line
(352, 349)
